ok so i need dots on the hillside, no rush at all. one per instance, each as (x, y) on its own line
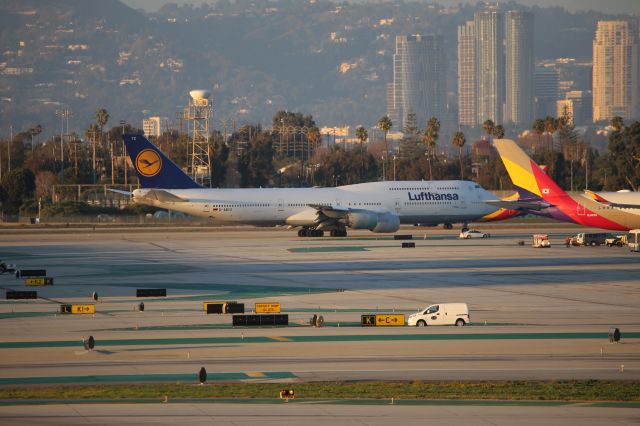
(326, 59)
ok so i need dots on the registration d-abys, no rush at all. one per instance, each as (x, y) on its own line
(441, 314)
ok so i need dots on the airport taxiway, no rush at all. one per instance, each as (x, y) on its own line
(537, 313)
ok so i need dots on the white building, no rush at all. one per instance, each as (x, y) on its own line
(152, 126)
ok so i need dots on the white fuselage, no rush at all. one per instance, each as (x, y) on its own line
(425, 202)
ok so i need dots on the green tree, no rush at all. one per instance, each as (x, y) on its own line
(411, 147)
(459, 140)
(498, 131)
(488, 127)
(255, 163)
(219, 159)
(385, 125)
(617, 123)
(624, 157)
(17, 187)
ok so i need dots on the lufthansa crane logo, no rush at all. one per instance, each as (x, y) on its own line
(148, 163)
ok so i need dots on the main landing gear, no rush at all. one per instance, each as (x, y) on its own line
(307, 232)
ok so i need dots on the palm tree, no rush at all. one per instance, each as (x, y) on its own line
(36, 131)
(538, 128)
(498, 131)
(314, 137)
(430, 138)
(362, 135)
(385, 125)
(488, 127)
(102, 117)
(550, 126)
(459, 140)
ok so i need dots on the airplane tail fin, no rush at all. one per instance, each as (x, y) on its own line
(505, 210)
(153, 168)
(530, 179)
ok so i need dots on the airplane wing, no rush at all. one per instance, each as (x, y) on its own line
(519, 204)
(331, 212)
(117, 191)
(162, 196)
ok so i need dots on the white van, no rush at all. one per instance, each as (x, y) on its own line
(441, 314)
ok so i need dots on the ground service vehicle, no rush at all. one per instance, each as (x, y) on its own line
(592, 239)
(441, 314)
(618, 240)
(541, 240)
(634, 240)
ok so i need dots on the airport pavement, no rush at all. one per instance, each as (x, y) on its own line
(536, 313)
(313, 413)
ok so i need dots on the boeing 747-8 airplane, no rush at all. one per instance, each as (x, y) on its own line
(376, 206)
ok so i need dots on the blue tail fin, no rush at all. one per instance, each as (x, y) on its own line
(153, 168)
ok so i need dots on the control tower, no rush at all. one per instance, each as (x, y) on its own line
(198, 113)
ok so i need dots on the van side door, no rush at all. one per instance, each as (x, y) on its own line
(434, 315)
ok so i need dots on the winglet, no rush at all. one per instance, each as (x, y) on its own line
(595, 196)
(153, 168)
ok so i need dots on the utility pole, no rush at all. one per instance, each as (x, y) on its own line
(93, 159)
(124, 153)
(112, 163)
(64, 113)
(9, 150)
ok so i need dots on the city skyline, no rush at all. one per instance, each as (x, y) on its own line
(345, 77)
(611, 6)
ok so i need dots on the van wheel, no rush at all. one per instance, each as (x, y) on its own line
(460, 323)
(593, 243)
(421, 323)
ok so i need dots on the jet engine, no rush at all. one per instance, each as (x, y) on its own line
(375, 222)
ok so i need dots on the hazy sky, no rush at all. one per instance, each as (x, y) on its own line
(608, 6)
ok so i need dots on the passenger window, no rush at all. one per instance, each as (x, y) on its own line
(432, 309)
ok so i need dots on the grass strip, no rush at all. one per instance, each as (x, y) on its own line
(573, 390)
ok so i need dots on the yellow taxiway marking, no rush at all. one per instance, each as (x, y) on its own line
(280, 339)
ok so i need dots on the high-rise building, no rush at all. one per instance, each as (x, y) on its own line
(546, 91)
(582, 106)
(419, 78)
(467, 115)
(392, 112)
(615, 71)
(519, 68)
(152, 126)
(489, 30)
